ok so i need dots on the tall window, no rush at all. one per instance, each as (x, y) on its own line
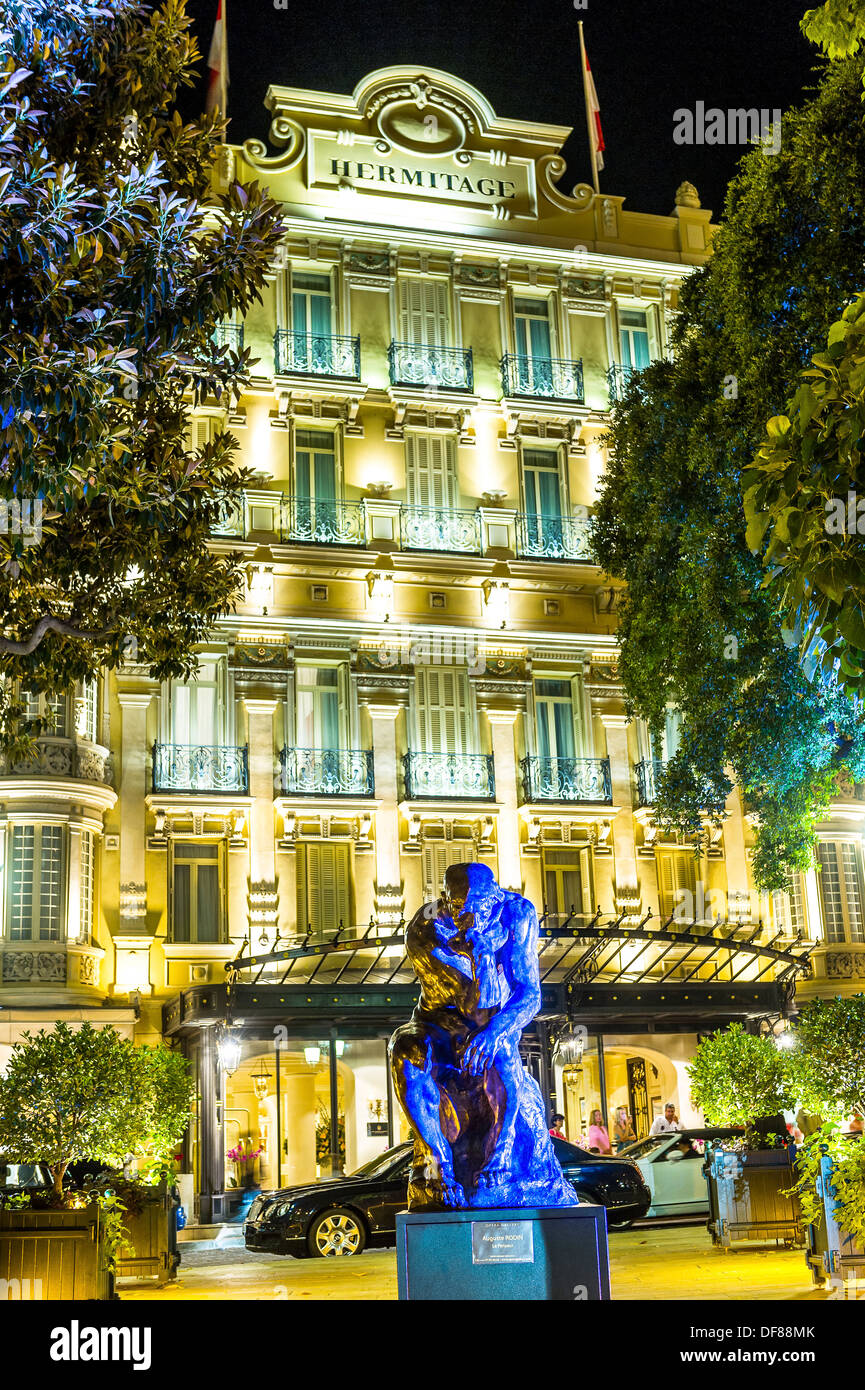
(543, 497)
(788, 907)
(431, 471)
(312, 323)
(195, 708)
(423, 312)
(840, 881)
(315, 472)
(554, 719)
(323, 887)
(51, 708)
(88, 711)
(320, 705)
(442, 710)
(634, 337)
(567, 881)
(87, 880)
(196, 908)
(534, 346)
(35, 893)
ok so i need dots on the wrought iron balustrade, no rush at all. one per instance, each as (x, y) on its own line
(189, 767)
(550, 378)
(567, 779)
(618, 378)
(232, 517)
(440, 528)
(554, 537)
(229, 335)
(316, 354)
(326, 772)
(647, 773)
(421, 364)
(446, 775)
(328, 522)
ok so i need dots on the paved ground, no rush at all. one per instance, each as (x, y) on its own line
(664, 1263)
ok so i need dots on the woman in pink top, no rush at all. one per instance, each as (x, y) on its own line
(598, 1137)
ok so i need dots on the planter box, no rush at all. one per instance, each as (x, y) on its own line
(152, 1249)
(745, 1197)
(831, 1252)
(54, 1255)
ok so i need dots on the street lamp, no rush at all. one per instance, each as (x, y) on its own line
(228, 1051)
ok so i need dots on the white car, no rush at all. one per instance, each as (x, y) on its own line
(678, 1185)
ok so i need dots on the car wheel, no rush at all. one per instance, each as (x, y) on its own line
(620, 1225)
(336, 1232)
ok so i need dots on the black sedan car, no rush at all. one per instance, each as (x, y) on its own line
(344, 1215)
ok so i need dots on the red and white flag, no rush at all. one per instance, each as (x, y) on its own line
(594, 110)
(217, 65)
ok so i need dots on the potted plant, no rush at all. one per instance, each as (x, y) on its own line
(827, 1068)
(741, 1079)
(81, 1095)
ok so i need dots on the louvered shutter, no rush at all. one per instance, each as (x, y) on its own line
(423, 308)
(437, 858)
(328, 896)
(431, 472)
(443, 709)
(677, 875)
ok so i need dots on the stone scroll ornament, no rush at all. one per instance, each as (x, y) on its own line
(480, 1130)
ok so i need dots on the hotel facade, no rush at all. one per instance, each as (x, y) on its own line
(422, 670)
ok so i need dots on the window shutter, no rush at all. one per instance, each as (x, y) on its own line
(423, 311)
(431, 471)
(437, 858)
(442, 696)
(677, 874)
(328, 889)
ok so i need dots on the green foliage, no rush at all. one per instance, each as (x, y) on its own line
(838, 27)
(87, 1093)
(698, 629)
(796, 504)
(116, 266)
(847, 1181)
(827, 1066)
(738, 1077)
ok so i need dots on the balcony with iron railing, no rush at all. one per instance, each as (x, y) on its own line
(315, 354)
(647, 772)
(326, 772)
(229, 335)
(554, 537)
(618, 378)
(449, 776)
(305, 520)
(543, 378)
(197, 768)
(422, 364)
(567, 779)
(440, 528)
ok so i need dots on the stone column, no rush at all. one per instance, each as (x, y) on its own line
(132, 790)
(738, 887)
(627, 881)
(262, 842)
(387, 865)
(502, 723)
(73, 897)
(212, 1157)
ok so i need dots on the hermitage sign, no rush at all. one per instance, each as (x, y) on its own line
(482, 181)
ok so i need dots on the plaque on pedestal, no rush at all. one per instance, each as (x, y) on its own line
(518, 1253)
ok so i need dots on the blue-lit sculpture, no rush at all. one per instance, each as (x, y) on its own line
(481, 1137)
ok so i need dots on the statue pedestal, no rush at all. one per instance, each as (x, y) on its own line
(504, 1253)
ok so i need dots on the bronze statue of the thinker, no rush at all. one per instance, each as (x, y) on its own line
(481, 1137)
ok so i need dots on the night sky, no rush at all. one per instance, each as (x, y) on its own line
(648, 59)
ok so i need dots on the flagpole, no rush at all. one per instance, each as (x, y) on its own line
(589, 123)
(223, 67)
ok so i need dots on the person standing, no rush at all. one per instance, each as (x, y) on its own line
(666, 1122)
(599, 1139)
(623, 1129)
